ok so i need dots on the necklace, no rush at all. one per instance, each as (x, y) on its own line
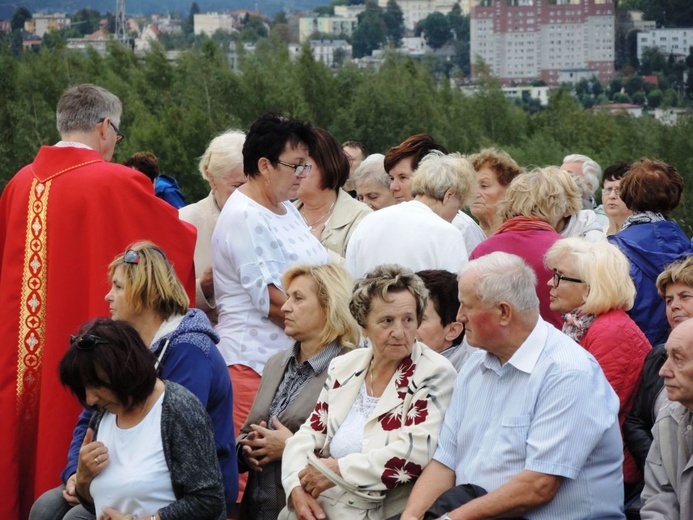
(311, 226)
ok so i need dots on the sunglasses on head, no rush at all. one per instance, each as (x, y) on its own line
(131, 257)
(87, 342)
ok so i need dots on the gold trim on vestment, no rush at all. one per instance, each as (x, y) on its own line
(32, 309)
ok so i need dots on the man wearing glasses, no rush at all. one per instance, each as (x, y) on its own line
(62, 220)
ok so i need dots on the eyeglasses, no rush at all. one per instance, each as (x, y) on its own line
(131, 257)
(558, 277)
(298, 168)
(119, 135)
(609, 191)
(87, 342)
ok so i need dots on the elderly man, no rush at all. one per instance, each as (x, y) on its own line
(62, 220)
(533, 421)
(668, 493)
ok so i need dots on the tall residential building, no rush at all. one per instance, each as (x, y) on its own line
(526, 40)
(334, 25)
(669, 41)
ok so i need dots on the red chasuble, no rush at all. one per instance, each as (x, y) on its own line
(63, 219)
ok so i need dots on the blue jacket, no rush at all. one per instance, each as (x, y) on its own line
(193, 361)
(650, 248)
(166, 188)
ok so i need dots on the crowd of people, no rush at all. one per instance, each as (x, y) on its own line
(331, 334)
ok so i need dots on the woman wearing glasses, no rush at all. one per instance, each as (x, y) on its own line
(149, 450)
(592, 289)
(331, 213)
(146, 294)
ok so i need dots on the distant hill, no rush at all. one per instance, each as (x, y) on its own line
(147, 7)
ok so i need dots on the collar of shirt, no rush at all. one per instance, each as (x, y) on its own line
(320, 361)
(525, 357)
(74, 144)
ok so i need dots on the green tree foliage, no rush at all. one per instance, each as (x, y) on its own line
(370, 33)
(394, 23)
(21, 15)
(86, 21)
(436, 30)
(189, 25)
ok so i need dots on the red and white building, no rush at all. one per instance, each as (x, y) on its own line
(526, 40)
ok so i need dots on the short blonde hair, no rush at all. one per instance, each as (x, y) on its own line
(546, 194)
(334, 286)
(150, 282)
(223, 154)
(379, 282)
(438, 172)
(603, 268)
(680, 271)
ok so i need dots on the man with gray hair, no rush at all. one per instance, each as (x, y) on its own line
(532, 429)
(63, 218)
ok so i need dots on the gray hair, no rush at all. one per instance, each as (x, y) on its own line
(379, 282)
(222, 155)
(82, 106)
(439, 172)
(503, 277)
(591, 171)
(372, 168)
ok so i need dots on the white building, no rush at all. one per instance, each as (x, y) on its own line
(209, 23)
(42, 23)
(668, 41)
(413, 11)
(539, 93)
(324, 51)
(336, 25)
(525, 40)
(347, 11)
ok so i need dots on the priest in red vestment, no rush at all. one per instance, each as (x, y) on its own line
(62, 220)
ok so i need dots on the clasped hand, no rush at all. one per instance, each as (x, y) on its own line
(263, 445)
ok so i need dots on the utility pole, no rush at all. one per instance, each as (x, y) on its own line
(121, 33)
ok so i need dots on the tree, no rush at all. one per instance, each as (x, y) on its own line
(394, 23)
(436, 30)
(86, 21)
(21, 15)
(652, 61)
(189, 25)
(370, 33)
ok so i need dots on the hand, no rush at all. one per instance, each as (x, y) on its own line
(93, 458)
(113, 514)
(263, 445)
(313, 481)
(207, 283)
(305, 506)
(69, 493)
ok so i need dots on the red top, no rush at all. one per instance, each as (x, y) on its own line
(63, 219)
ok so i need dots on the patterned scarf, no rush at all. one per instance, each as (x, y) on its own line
(524, 224)
(642, 217)
(576, 323)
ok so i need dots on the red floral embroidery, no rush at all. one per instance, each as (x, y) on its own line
(404, 372)
(337, 384)
(318, 420)
(417, 413)
(399, 471)
(391, 420)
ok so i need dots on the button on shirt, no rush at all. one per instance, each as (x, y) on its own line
(549, 409)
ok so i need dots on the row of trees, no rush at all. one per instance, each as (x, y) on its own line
(174, 109)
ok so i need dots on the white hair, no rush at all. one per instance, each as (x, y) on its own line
(372, 168)
(503, 277)
(438, 172)
(591, 171)
(222, 155)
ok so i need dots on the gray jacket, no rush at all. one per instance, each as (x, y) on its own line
(188, 441)
(668, 492)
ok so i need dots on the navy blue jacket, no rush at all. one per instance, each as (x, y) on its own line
(166, 188)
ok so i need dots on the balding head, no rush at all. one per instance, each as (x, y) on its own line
(677, 371)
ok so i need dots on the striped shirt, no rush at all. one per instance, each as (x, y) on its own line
(549, 409)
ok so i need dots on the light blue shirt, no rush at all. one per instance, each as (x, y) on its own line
(549, 409)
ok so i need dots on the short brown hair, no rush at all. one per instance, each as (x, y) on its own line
(652, 186)
(680, 271)
(145, 162)
(416, 147)
(500, 162)
(331, 158)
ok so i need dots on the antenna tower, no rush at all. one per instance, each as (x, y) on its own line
(121, 33)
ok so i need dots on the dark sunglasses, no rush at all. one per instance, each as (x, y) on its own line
(87, 342)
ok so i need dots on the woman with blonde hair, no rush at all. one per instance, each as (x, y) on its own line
(535, 202)
(592, 289)
(222, 167)
(317, 317)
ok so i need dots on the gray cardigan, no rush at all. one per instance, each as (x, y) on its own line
(188, 442)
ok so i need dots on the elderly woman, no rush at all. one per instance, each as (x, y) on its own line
(614, 208)
(376, 422)
(317, 317)
(577, 222)
(258, 236)
(652, 190)
(591, 288)
(439, 327)
(534, 204)
(149, 450)
(441, 186)
(331, 213)
(222, 167)
(675, 286)
(494, 171)
(146, 294)
(372, 183)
